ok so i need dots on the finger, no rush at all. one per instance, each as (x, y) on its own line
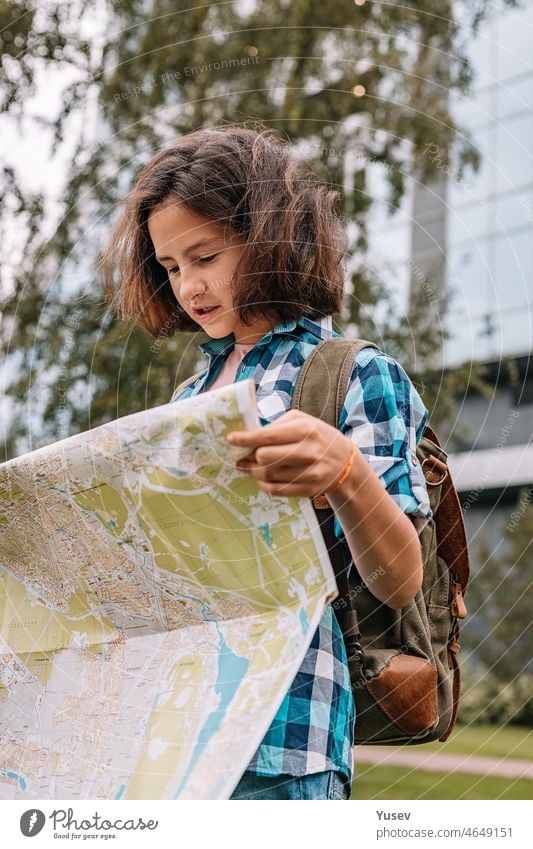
(242, 437)
(262, 436)
(272, 474)
(285, 490)
(284, 455)
(275, 433)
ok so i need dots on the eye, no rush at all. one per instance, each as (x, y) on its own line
(203, 259)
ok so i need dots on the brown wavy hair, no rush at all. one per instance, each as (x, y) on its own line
(292, 261)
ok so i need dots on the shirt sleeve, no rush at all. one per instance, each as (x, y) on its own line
(385, 416)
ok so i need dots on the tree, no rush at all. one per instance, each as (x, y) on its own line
(499, 629)
(356, 85)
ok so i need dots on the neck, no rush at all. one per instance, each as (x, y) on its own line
(251, 335)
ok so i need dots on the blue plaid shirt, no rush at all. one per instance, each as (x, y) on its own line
(384, 414)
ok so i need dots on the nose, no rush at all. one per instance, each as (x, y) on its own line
(190, 284)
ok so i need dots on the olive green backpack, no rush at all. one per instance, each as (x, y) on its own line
(403, 663)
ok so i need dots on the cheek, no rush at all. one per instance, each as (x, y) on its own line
(224, 281)
(229, 268)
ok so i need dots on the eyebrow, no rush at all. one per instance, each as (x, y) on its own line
(201, 244)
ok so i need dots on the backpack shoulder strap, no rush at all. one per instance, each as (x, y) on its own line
(322, 384)
(185, 383)
(452, 543)
(323, 379)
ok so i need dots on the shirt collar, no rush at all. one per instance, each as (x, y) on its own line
(319, 327)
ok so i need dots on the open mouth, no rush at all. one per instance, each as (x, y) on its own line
(205, 311)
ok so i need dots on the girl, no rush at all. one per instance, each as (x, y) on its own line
(226, 232)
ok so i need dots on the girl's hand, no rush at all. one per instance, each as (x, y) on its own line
(297, 454)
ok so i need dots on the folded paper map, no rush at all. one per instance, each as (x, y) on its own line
(155, 606)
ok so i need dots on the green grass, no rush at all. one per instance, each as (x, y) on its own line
(489, 741)
(379, 782)
(395, 782)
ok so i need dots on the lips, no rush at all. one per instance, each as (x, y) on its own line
(201, 315)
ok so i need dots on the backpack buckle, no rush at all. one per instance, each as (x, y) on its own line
(437, 471)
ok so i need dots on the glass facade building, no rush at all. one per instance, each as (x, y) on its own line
(472, 235)
(489, 232)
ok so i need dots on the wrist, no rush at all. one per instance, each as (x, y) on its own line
(351, 487)
(340, 482)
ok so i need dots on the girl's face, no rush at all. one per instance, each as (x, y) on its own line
(201, 263)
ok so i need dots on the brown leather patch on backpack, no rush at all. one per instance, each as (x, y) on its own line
(406, 691)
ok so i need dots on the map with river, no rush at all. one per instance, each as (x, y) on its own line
(155, 605)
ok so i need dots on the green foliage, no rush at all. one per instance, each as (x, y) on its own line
(157, 70)
(487, 700)
(499, 627)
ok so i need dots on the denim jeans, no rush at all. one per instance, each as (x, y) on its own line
(320, 785)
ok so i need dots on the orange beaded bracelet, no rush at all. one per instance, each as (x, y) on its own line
(346, 471)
